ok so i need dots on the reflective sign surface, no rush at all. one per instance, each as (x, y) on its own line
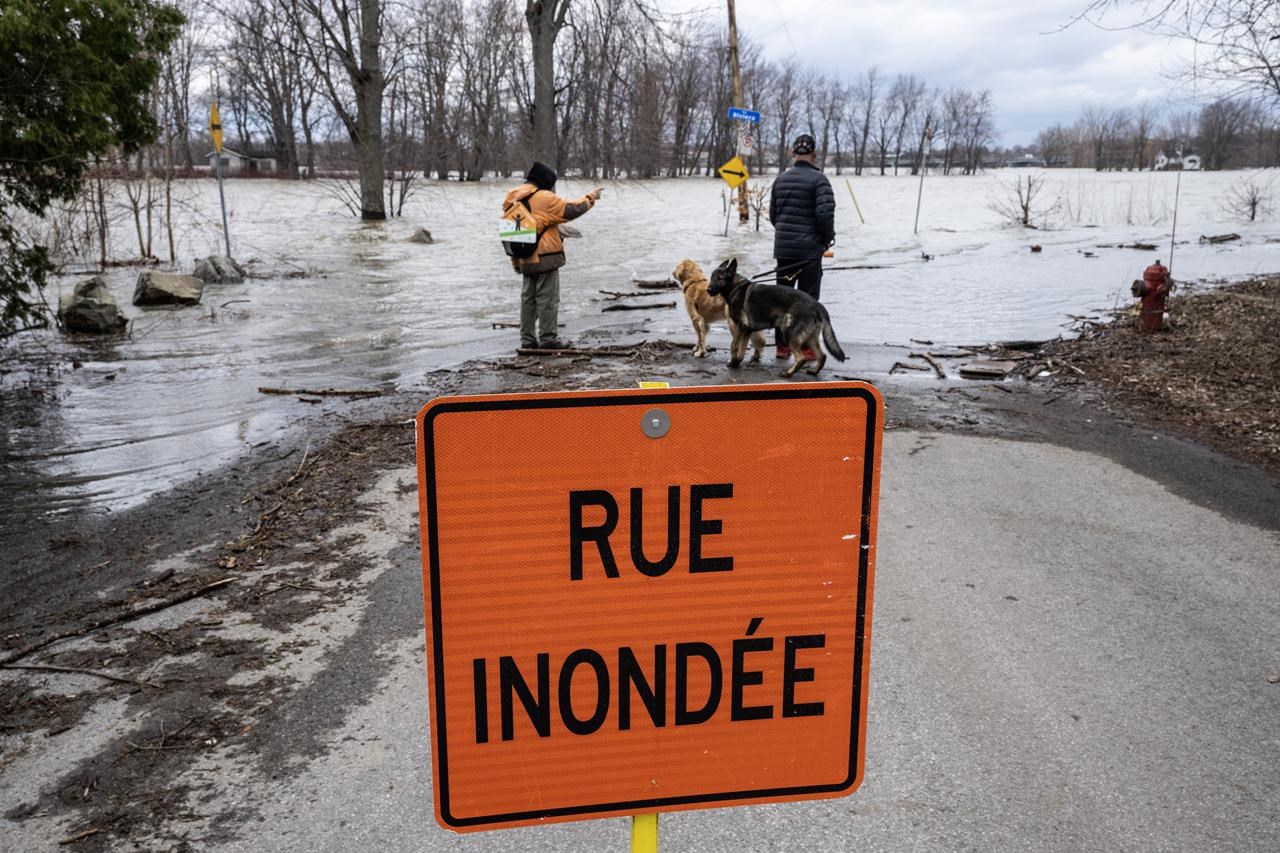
(647, 600)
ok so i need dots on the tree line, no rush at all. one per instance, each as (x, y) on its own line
(635, 93)
(1227, 133)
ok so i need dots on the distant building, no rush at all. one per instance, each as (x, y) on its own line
(1188, 162)
(1025, 161)
(234, 162)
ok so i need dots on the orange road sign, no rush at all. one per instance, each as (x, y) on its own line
(215, 127)
(734, 172)
(647, 600)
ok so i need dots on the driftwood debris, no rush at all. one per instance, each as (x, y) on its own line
(626, 353)
(79, 836)
(47, 667)
(618, 294)
(651, 306)
(657, 284)
(1219, 238)
(1145, 247)
(933, 362)
(324, 392)
(986, 369)
(902, 365)
(127, 616)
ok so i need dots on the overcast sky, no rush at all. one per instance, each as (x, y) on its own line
(1038, 73)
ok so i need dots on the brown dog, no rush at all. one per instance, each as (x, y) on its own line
(705, 309)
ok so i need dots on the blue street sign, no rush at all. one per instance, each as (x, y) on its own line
(739, 114)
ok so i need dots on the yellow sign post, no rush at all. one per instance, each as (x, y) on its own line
(215, 130)
(734, 172)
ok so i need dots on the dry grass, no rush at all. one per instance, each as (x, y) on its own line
(1213, 373)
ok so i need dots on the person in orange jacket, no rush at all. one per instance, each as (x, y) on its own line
(540, 291)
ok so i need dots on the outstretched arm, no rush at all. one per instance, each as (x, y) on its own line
(574, 209)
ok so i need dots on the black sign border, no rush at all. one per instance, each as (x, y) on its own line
(517, 402)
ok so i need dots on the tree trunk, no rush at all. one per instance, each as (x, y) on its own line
(369, 86)
(545, 19)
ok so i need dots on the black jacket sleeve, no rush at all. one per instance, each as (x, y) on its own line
(824, 205)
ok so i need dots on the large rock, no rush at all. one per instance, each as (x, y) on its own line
(422, 235)
(162, 288)
(569, 231)
(219, 269)
(90, 307)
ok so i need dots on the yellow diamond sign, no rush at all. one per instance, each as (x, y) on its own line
(215, 127)
(734, 172)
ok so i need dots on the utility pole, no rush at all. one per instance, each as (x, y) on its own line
(743, 215)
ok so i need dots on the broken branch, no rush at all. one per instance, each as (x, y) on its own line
(116, 620)
(639, 307)
(46, 667)
(933, 362)
(324, 392)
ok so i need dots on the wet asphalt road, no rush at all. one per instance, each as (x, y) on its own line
(1067, 655)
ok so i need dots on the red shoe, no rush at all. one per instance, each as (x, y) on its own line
(783, 353)
(808, 354)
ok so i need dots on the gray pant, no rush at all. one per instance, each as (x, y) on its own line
(539, 309)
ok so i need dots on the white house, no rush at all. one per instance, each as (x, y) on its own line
(1188, 162)
(234, 162)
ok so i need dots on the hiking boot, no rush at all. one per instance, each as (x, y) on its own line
(783, 353)
(554, 344)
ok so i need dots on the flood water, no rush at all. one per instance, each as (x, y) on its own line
(101, 425)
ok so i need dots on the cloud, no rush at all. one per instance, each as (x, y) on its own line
(1036, 66)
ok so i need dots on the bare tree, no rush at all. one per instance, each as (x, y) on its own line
(338, 33)
(1020, 203)
(1247, 198)
(925, 126)
(866, 91)
(1235, 39)
(181, 63)
(433, 58)
(485, 45)
(886, 121)
(906, 94)
(545, 18)
(264, 53)
(1221, 126)
(1144, 118)
(786, 89)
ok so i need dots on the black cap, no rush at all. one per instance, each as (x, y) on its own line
(541, 176)
(804, 144)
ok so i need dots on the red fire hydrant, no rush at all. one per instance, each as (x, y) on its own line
(1153, 289)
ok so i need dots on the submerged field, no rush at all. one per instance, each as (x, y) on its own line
(334, 302)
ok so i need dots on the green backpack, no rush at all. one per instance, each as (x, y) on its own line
(519, 230)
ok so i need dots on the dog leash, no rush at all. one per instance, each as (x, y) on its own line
(789, 272)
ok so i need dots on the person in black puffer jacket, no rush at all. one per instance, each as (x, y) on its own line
(802, 208)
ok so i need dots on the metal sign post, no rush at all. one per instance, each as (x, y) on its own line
(924, 167)
(215, 130)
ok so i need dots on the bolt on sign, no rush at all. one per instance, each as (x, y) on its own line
(647, 600)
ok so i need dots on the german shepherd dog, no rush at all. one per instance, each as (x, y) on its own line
(705, 309)
(801, 320)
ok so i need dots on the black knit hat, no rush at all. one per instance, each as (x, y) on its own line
(541, 176)
(804, 144)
